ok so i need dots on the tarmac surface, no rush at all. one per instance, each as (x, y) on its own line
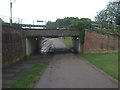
(70, 71)
(65, 70)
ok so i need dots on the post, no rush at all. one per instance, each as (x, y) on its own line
(10, 13)
(39, 44)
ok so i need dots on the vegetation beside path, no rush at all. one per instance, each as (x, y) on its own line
(108, 62)
(30, 77)
(68, 41)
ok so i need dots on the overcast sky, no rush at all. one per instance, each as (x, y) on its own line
(52, 9)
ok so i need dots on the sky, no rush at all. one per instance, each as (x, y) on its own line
(29, 10)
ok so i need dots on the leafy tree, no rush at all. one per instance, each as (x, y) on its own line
(67, 21)
(82, 24)
(49, 22)
(118, 20)
(110, 14)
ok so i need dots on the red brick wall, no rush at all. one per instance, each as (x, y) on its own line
(13, 46)
(99, 43)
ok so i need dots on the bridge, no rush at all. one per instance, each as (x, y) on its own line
(26, 41)
(51, 32)
(36, 34)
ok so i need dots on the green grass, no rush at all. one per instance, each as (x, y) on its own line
(112, 32)
(68, 41)
(29, 77)
(107, 62)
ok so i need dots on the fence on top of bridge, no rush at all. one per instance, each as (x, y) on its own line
(29, 23)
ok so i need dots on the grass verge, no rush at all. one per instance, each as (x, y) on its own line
(68, 41)
(107, 62)
(29, 77)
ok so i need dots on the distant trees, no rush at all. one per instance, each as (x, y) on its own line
(118, 20)
(109, 15)
(82, 24)
(67, 21)
(74, 23)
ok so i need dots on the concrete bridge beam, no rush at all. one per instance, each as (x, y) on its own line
(47, 32)
(39, 44)
(31, 45)
(76, 44)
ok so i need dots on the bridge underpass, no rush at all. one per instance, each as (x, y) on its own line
(64, 70)
(34, 39)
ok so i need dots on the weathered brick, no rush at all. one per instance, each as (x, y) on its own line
(13, 46)
(99, 43)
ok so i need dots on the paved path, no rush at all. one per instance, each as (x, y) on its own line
(57, 43)
(70, 71)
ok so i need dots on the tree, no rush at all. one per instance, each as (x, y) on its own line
(67, 21)
(109, 15)
(82, 24)
(118, 20)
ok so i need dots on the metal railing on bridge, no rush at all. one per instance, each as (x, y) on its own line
(44, 26)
